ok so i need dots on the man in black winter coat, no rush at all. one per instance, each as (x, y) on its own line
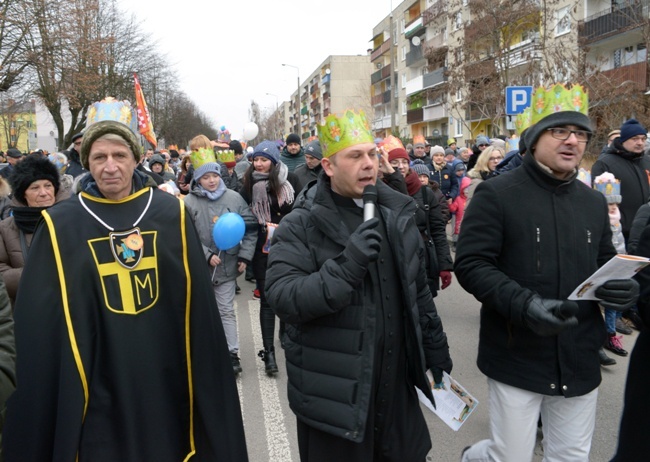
(528, 239)
(74, 163)
(362, 327)
(626, 160)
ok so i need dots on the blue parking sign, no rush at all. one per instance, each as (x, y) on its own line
(518, 99)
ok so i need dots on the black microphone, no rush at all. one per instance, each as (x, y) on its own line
(369, 201)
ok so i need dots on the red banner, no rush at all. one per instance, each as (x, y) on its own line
(144, 121)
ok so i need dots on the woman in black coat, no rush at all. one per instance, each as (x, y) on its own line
(269, 188)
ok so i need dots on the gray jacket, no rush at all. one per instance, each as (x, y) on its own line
(203, 212)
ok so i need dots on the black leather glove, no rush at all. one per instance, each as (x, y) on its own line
(362, 249)
(548, 317)
(618, 294)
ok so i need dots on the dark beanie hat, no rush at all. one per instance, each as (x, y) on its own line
(313, 149)
(99, 129)
(173, 153)
(631, 128)
(76, 136)
(557, 119)
(236, 146)
(33, 168)
(293, 138)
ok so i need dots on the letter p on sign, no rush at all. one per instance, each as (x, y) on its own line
(517, 99)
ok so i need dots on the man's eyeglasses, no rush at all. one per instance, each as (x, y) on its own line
(564, 133)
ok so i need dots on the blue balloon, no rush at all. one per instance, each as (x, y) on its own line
(228, 231)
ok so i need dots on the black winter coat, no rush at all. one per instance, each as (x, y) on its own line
(509, 250)
(633, 171)
(330, 332)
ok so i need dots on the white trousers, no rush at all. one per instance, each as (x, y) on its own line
(225, 295)
(567, 425)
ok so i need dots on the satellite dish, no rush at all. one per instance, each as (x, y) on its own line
(416, 41)
(327, 71)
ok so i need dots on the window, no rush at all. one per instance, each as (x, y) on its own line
(404, 80)
(459, 128)
(402, 25)
(641, 53)
(459, 95)
(563, 17)
(404, 53)
(628, 57)
(617, 58)
(403, 107)
(425, 131)
(395, 34)
(458, 21)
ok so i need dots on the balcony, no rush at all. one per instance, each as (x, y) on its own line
(414, 116)
(381, 98)
(433, 12)
(475, 112)
(326, 79)
(377, 52)
(380, 75)
(381, 123)
(634, 73)
(313, 88)
(435, 112)
(434, 78)
(414, 28)
(436, 41)
(415, 56)
(414, 85)
(613, 21)
(524, 52)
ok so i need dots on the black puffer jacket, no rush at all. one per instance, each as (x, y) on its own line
(528, 233)
(633, 171)
(331, 324)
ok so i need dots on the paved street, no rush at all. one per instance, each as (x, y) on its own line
(270, 424)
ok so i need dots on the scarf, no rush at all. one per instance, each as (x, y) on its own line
(413, 184)
(261, 202)
(615, 218)
(212, 195)
(26, 218)
(439, 167)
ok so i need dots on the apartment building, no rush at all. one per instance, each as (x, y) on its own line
(339, 83)
(451, 60)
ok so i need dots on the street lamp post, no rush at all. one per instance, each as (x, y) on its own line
(297, 99)
(277, 115)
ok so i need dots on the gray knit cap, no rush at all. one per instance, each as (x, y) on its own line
(99, 129)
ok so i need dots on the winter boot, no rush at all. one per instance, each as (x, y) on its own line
(268, 356)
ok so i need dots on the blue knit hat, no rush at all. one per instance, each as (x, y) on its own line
(267, 149)
(210, 167)
(631, 128)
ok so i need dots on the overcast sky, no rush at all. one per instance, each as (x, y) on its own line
(227, 53)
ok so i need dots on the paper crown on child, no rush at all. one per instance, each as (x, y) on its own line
(609, 186)
(391, 142)
(201, 157)
(557, 98)
(223, 135)
(227, 157)
(584, 175)
(111, 109)
(338, 133)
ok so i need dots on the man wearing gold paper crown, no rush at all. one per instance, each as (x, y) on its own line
(362, 327)
(528, 239)
(134, 366)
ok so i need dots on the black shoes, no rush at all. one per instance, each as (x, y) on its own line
(268, 356)
(622, 328)
(633, 317)
(604, 359)
(236, 363)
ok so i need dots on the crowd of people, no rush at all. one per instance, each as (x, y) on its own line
(130, 352)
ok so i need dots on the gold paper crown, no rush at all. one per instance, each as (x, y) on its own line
(545, 102)
(390, 143)
(111, 109)
(226, 156)
(342, 132)
(201, 157)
